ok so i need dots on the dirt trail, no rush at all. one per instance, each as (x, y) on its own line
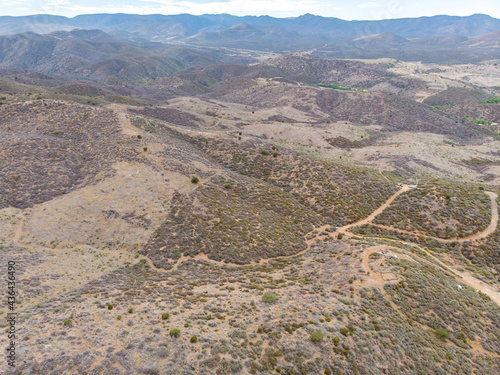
(465, 277)
(19, 231)
(477, 236)
(379, 210)
(421, 96)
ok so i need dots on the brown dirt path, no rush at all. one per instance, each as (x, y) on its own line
(378, 211)
(465, 277)
(477, 236)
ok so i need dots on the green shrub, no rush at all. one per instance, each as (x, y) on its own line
(193, 339)
(195, 180)
(336, 340)
(339, 236)
(175, 332)
(186, 325)
(67, 322)
(130, 310)
(110, 307)
(316, 336)
(119, 317)
(270, 297)
(165, 316)
(145, 148)
(442, 333)
(139, 136)
(228, 186)
(275, 154)
(264, 152)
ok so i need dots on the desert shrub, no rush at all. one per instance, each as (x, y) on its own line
(442, 333)
(264, 152)
(316, 336)
(110, 307)
(175, 332)
(336, 340)
(67, 322)
(193, 339)
(130, 310)
(339, 236)
(270, 297)
(145, 148)
(195, 180)
(119, 317)
(165, 316)
(228, 186)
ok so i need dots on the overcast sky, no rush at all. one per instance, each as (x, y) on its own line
(348, 10)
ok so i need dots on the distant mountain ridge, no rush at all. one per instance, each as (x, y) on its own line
(440, 39)
(167, 27)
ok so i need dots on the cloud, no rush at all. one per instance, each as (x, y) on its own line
(369, 5)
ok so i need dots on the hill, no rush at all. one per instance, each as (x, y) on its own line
(95, 55)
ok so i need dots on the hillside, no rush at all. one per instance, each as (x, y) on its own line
(183, 209)
(97, 56)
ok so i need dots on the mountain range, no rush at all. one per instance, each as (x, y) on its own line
(443, 39)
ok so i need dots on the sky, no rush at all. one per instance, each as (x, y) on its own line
(344, 9)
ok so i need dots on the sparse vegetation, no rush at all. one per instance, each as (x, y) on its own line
(316, 336)
(175, 333)
(270, 297)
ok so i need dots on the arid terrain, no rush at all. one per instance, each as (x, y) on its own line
(226, 214)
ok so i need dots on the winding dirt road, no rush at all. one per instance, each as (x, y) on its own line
(485, 233)
(464, 276)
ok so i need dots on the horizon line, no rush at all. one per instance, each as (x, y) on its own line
(249, 15)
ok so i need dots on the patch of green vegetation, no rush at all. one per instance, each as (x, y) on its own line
(481, 122)
(442, 333)
(270, 297)
(492, 101)
(338, 87)
(316, 336)
(175, 332)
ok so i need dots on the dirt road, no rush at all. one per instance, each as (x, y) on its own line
(464, 277)
(477, 236)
